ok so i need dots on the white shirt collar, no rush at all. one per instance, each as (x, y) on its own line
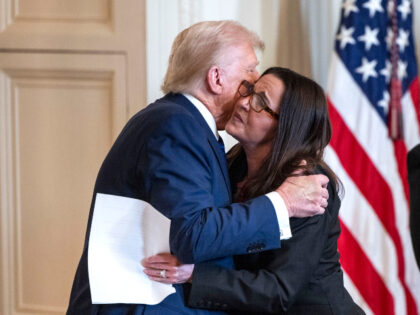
(208, 117)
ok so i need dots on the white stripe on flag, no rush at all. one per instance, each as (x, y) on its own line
(368, 231)
(355, 294)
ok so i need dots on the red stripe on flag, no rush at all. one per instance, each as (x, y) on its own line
(363, 274)
(372, 185)
(414, 91)
(400, 151)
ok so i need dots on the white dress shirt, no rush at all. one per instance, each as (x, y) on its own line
(275, 198)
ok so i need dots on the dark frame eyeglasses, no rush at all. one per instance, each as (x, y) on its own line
(256, 100)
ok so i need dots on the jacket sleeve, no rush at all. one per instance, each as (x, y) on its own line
(274, 282)
(179, 170)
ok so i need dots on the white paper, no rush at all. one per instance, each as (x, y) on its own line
(124, 231)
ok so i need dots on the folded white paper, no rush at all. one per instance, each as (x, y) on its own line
(124, 231)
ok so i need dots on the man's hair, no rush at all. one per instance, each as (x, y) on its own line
(200, 47)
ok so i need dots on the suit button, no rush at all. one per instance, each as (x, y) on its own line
(251, 248)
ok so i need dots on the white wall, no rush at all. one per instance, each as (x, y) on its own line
(298, 33)
(166, 18)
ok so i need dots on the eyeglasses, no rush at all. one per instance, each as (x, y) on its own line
(256, 100)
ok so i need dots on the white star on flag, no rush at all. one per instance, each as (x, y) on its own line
(402, 69)
(386, 72)
(370, 37)
(367, 69)
(405, 9)
(402, 40)
(384, 102)
(349, 7)
(345, 36)
(373, 6)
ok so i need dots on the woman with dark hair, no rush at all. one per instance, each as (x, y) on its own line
(282, 126)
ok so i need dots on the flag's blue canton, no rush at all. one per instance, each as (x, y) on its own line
(363, 42)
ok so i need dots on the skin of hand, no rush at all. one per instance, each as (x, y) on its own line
(305, 196)
(176, 272)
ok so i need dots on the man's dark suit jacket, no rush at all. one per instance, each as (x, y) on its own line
(167, 156)
(413, 167)
(303, 277)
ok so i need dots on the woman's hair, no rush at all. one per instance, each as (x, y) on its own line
(199, 47)
(303, 132)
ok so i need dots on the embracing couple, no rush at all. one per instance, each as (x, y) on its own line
(251, 232)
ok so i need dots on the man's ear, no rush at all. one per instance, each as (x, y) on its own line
(215, 80)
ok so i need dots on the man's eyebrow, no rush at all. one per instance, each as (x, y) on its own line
(254, 65)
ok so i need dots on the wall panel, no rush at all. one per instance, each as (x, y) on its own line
(60, 120)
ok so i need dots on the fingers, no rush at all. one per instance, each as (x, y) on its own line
(321, 210)
(171, 276)
(322, 180)
(151, 272)
(161, 261)
(157, 266)
(155, 275)
(324, 203)
(163, 258)
(324, 193)
(166, 268)
(167, 280)
(305, 196)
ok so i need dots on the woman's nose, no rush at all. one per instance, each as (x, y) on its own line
(243, 102)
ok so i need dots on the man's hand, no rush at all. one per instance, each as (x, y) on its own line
(305, 196)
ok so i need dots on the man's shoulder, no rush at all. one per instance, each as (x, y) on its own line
(166, 107)
(165, 113)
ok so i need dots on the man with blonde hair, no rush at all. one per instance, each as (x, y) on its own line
(169, 156)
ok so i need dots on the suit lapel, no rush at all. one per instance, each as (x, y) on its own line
(221, 157)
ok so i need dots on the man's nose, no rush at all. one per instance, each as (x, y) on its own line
(253, 76)
(256, 75)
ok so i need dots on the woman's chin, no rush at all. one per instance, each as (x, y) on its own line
(232, 131)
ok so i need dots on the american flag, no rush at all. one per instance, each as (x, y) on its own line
(375, 245)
